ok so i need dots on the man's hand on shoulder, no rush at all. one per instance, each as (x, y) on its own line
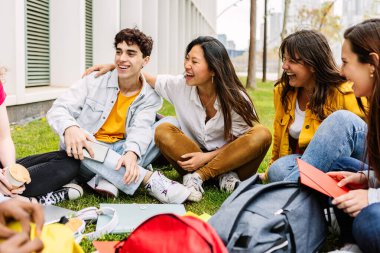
(75, 140)
(102, 68)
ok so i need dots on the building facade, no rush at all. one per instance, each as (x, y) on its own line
(46, 45)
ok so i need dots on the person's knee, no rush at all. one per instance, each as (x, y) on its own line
(260, 137)
(341, 117)
(265, 137)
(340, 114)
(366, 228)
(164, 133)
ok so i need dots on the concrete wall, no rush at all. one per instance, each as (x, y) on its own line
(67, 41)
(106, 23)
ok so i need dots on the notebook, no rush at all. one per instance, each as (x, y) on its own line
(132, 215)
(54, 213)
(318, 180)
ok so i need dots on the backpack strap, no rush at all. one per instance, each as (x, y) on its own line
(290, 200)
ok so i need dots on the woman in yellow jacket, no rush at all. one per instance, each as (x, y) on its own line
(309, 90)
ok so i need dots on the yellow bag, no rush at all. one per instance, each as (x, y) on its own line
(56, 238)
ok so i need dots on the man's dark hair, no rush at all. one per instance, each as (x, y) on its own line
(135, 36)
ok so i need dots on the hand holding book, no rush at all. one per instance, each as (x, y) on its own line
(350, 179)
(320, 181)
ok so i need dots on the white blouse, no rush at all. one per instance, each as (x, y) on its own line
(192, 116)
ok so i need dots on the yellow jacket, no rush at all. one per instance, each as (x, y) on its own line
(342, 98)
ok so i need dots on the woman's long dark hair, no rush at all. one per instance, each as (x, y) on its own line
(365, 39)
(313, 49)
(229, 89)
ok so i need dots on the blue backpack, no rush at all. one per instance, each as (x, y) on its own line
(274, 217)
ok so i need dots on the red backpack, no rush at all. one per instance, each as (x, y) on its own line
(169, 233)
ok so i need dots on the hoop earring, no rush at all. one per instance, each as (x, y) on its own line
(212, 79)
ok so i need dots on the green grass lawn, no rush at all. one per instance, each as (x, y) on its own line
(37, 137)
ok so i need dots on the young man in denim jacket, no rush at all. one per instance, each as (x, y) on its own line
(118, 110)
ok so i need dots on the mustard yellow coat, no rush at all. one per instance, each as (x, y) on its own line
(342, 98)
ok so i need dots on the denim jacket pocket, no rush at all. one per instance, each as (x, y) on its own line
(91, 114)
(93, 105)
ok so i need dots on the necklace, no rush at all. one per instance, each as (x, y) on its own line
(208, 102)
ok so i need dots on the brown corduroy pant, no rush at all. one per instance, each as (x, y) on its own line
(242, 155)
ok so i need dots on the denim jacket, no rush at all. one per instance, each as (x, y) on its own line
(89, 101)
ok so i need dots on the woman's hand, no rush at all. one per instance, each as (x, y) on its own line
(21, 243)
(352, 202)
(194, 160)
(24, 212)
(103, 68)
(5, 186)
(350, 179)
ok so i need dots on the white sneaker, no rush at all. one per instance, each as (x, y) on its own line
(67, 192)
(103, 187)
(193, 182)
(348, 248)
(229, 181)
(166, 190)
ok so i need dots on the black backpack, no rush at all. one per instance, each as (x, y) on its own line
(274, 217)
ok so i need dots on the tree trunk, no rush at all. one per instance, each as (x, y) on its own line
(264, 79)
(251, 77)
(283, 33)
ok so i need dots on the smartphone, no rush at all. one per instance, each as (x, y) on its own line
(100, 152)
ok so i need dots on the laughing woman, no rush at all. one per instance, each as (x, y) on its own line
(309, 90)
(219, 135)
(346, 142)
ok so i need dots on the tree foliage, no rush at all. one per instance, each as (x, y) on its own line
(322, 19)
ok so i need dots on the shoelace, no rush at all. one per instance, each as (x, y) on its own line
(161, 184)
(52, 198)
(195, 182)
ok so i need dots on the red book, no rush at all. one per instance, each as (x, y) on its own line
(320, 181)
(105, 246)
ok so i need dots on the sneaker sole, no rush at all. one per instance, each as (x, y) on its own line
(104, 193)
(193, 198)
(181, 199)
(74, 186)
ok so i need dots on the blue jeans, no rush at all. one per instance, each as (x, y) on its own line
(342, 134)
(107, 168)
(366, 228)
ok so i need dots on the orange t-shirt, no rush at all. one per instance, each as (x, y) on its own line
(113, 128)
